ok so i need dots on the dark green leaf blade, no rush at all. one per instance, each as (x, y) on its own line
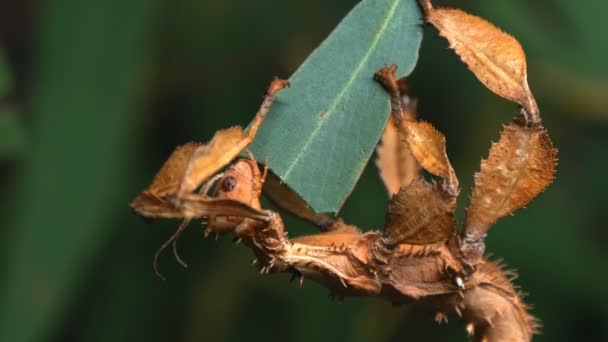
(321, 132)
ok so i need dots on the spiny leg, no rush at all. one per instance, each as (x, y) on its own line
(424, 141)
(396, 163)
(275, 86)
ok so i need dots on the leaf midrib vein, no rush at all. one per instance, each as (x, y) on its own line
(347, 86)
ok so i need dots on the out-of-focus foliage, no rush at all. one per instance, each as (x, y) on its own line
(5, 75)
(109, 88)
(82, 101)
(11, 128)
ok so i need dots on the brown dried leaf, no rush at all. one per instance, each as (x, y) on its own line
(428, 146)
(495, 57)
(519, 167)
(419, 214)
(397, 165)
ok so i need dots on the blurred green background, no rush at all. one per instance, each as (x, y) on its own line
(94, 95)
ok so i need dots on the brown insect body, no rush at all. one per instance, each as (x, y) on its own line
(419, 255)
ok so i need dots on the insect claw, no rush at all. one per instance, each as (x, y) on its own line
(470, 329)
(457, 309)
(300, 281)
(343, 283)
(441, 317)
(459, 282)
(237, 240)
(254, 262)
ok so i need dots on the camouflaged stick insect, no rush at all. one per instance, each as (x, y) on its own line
(415, 258)
(419, 256)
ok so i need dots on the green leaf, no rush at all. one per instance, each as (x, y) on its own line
(321, 132)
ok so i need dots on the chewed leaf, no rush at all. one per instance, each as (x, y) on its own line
(495, 57)
(520, 166)
(419, 214)
(208, 159)
(397, 165)
(428, 146)
(167, 180)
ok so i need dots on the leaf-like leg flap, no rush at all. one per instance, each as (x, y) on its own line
(397, 165)
(152, 202)
(519, 167)
(421, 213)
(495, 57)
(225, 145)
(425, 143)
(428, 146)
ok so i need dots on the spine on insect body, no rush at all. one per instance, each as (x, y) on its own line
(351, 263)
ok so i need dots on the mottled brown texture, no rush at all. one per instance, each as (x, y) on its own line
(395, 161)
(495, 57)
(419, 256)
(428, 146)
(425, 143)
(419, 214)
(519, 167)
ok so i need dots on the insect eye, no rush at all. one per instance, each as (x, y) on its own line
(228, 184)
